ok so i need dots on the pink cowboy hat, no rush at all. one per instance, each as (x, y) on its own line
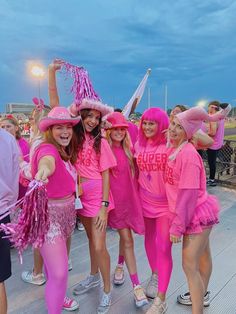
(96, 105)
(117, 120)
(58, 115)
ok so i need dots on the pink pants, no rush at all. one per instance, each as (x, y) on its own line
(158, 249)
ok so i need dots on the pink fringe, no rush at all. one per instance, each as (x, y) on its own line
(82, 86)
(30, 224)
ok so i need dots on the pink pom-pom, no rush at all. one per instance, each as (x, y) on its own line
(30, 224)
(82, 86)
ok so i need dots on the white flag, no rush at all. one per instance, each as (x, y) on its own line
(137, 96)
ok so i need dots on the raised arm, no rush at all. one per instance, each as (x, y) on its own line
(52, 83)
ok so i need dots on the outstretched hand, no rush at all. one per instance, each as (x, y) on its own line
(42, 175)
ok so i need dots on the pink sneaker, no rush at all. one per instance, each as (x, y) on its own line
(70, 304)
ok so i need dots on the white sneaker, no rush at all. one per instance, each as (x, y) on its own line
(151, 289)
(119, 275)
(158, 307)
(80, 226)
(185, 299)
(29, 277)
(139, 296)
(88, 283)
(105, 303)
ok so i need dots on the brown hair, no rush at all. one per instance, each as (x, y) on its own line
(181, 107)
(216, 104)
(69, 153)
(80, 132)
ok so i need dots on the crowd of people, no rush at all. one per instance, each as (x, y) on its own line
(99, 167)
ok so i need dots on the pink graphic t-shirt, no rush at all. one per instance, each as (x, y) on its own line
(185, 172)
(61, 183)
(89, 164)
(151, 162)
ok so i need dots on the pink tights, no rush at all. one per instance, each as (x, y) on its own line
(158, 249)
(56, 269)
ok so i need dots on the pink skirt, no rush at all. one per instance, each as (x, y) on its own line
(92, 198)
(206, 215)
(62, 218)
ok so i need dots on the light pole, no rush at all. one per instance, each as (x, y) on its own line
(38, 72)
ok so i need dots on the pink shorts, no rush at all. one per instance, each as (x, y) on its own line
(62, 217)
(92, 198)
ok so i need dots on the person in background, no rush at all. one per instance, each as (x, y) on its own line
(9, 183)
(216, 131)
(11, 125)
(177, 109)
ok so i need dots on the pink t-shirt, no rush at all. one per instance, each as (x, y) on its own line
(62, 182)
(185, 172)
(89, 164)
(151, 162)
(25, 148)
(219, 136)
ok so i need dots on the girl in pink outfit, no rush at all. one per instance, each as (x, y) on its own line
(94, 160)
(194, 211)
(11, 125)
(151, 157)
(52, 163)
(127, 214)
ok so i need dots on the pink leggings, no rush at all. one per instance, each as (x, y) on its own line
(56, 268)
(158, 249)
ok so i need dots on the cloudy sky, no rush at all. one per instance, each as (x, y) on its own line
(190, 46)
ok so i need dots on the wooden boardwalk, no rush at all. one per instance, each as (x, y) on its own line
(25, 298)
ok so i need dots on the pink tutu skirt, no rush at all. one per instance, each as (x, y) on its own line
(62, 218)
(92, 198)
(206, 215)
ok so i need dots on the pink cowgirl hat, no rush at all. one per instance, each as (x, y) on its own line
(95, 105)
(191, 119)
(116, 120)
(58, 115)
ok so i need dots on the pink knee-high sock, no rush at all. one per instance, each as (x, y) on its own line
(134, 279)
(56, 267)
(121, 260)
(150, 242)
(163, 250)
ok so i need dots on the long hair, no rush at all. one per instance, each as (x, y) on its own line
(14, 122)
(80, 132)
(126, 145)
(161, 118)
(67, 153)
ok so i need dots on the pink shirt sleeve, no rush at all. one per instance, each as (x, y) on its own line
(185, 206)
(107, 158)
(190, 172)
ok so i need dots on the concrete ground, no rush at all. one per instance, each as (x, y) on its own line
(25, 298)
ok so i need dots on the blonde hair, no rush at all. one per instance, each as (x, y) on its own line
(126, 145)
(14, 122)
(38, 115)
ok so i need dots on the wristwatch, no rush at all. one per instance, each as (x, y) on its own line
(105, 203)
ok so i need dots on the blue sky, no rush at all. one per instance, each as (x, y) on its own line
(190, 46)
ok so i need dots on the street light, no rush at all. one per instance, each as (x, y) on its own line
(38, 72)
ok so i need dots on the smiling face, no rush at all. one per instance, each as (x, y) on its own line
(9, 127)
(149, 128)
(62, 134)
(92, 120)
(177, 134)
(118, 135)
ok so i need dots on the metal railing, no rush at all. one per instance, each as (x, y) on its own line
(225, 163)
